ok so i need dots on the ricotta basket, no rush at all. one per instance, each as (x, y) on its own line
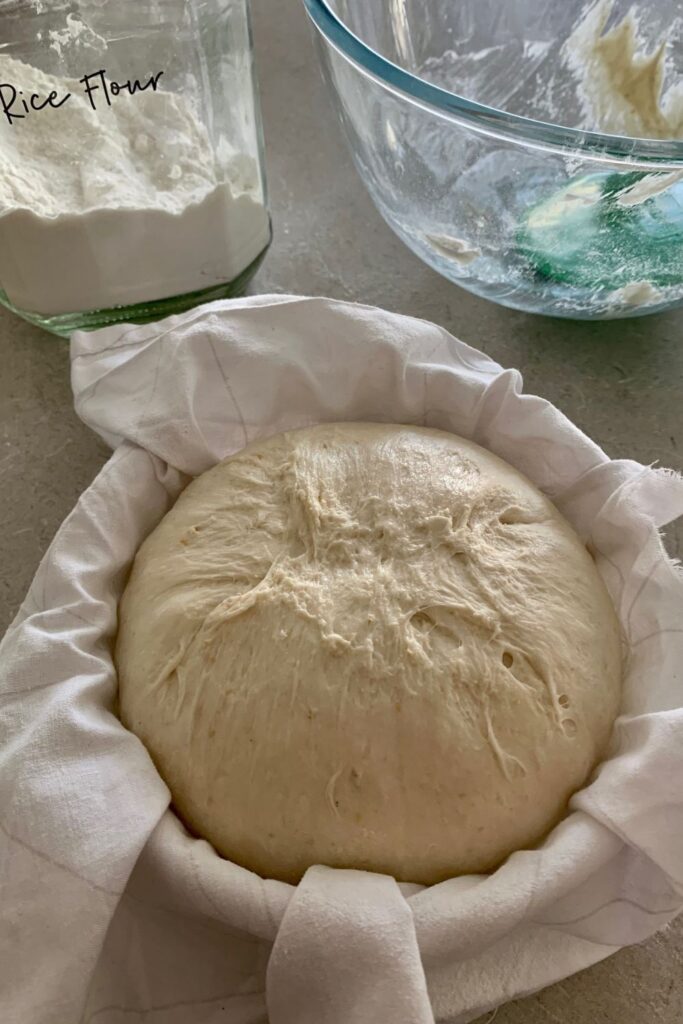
(115, 912)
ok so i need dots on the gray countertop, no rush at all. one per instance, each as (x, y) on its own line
(621, 382)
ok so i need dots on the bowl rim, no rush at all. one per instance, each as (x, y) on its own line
(479, 116)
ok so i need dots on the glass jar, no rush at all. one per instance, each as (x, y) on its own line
(131, 160)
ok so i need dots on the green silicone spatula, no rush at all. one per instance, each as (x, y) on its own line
(608, 230)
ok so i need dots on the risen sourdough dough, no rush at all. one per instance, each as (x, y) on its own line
(368, 646)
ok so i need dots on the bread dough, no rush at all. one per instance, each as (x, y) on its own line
(368, 646)
(621, 86)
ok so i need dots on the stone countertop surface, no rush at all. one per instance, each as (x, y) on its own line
(620, 382)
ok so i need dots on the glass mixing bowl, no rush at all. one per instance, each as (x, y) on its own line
(498, 140)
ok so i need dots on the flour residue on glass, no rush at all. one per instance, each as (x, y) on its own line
(591, 72)
(519, 76)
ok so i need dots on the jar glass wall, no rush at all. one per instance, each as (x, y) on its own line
(131, 163)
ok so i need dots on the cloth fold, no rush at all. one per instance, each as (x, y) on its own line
(111, 911)
(346, 953)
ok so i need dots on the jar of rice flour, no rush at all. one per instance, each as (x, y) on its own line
(131, 166)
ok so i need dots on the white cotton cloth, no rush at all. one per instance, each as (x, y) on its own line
(111, 912)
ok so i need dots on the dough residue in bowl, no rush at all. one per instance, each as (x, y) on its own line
(620, 82)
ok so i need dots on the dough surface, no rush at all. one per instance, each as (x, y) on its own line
(368, 646)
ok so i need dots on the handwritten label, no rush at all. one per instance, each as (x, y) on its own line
(15, 105)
